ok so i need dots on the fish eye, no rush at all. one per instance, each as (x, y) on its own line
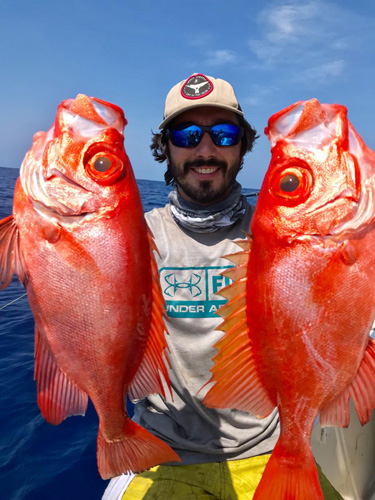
(102, 164)
(292, 182)
(289, 183)
(105, 168)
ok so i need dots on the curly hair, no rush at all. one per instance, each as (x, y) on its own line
(160, 151)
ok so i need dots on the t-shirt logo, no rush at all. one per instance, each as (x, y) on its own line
(174, 285)
(196, 87)
(192, 292)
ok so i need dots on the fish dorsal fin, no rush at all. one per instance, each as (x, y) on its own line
(11, 257)
(58, 397)
(148, 379)
(362, 390)
(234, 374)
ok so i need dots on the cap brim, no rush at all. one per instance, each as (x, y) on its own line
(200, 105)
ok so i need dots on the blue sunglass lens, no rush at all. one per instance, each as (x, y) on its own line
(189, 136)
(225, 134)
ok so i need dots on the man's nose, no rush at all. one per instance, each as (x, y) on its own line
(206, 145)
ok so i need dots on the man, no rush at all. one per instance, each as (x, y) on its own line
(204, 137)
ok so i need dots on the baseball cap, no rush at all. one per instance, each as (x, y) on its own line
(199, 90)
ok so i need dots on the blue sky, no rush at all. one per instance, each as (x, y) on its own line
(131, 53)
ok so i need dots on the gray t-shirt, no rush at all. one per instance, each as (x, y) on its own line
(190, 265)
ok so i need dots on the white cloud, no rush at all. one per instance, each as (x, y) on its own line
(258, 94)
(324, 71)
(311, 39)
(199, 40)
(341, 44)
(220, 57)
(288, 22)
(266, 52)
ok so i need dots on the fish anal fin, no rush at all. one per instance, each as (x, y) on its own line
(234, 374)
(361, 390)
(283, 479)
(11, 257)
(58, 397)
(138, 451)
(337, 412)
(148, 378)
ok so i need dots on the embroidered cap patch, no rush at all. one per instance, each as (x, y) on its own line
(196, 87)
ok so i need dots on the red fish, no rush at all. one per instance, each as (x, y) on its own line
(79, 243)
(303, 299)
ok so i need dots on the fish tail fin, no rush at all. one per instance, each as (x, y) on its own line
(282, 480)
(137, 451)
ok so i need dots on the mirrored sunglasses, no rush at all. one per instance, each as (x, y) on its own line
(190, 135)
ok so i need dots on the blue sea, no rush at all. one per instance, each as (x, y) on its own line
(39, 461)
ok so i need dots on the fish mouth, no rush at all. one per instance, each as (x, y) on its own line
(49, 212)
(58, 209)
(347, 194)
(337, 231)
(54, 172)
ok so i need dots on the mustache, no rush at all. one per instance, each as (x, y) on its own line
(200, 162)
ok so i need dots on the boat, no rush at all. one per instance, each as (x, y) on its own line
(347, 456)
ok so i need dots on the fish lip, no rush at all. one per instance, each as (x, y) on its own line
(66, 215)
(49, 212)
(346, 194)
(54, 172)
(332, 234)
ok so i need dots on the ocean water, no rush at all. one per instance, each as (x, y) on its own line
(39, 461)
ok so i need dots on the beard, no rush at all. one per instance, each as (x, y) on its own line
(206, 192)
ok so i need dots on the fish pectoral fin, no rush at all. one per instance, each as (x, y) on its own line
(138, 450)
(58, 397)
(11, 257)
(362, 390)
(236, 381)
(148, 378)
(73, 253)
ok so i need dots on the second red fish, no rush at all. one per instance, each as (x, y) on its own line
(303, 301)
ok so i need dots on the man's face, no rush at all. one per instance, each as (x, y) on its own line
(205, 174)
